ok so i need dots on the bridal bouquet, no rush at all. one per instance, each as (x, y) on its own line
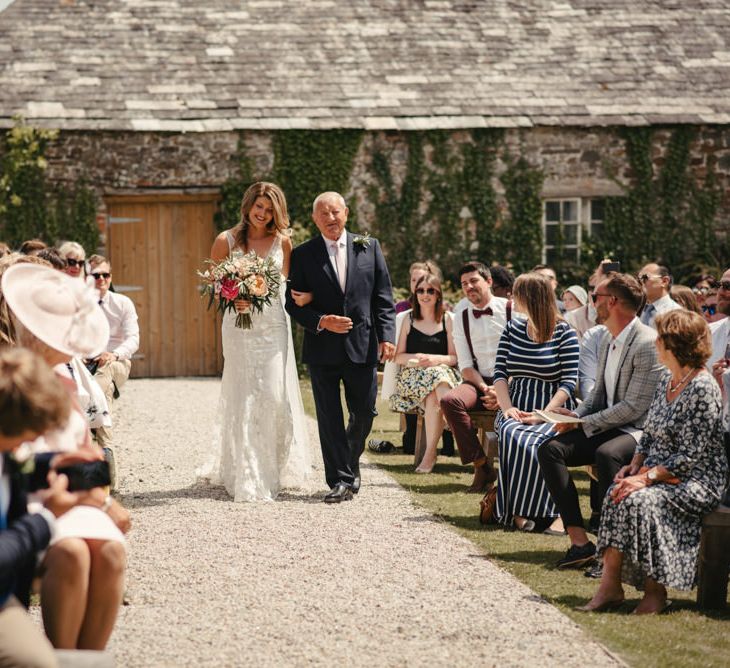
(247, 277)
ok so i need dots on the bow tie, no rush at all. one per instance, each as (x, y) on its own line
(478, 313)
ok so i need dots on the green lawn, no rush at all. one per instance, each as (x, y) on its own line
(684, 637)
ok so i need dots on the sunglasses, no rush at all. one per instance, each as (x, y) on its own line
(74, 263)
(725, 285)
(710, 309)
(643, 278)
(596, 295)
(427, 291)
(100, 275)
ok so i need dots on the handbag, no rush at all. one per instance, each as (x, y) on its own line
(487, 506)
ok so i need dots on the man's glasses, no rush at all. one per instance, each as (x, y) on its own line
(710, 309)
(426, 291)
(596, 295)
(100, 275)
(724, 285)
(74, 263)
(643, 278)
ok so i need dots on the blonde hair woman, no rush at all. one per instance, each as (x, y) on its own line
(260, 443)
(536, 368)
(75, 257)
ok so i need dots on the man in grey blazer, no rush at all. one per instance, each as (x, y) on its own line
(611, 416)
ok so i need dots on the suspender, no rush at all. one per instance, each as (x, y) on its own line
(467, 332)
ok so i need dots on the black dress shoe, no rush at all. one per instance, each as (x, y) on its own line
(356, 484)
(339, 493)
(578, 556)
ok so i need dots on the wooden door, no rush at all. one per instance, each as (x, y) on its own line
(155, 244)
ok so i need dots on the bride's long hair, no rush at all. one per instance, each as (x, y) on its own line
(280, 220)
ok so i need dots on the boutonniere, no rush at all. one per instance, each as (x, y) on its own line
(23, 458)
(362, 240)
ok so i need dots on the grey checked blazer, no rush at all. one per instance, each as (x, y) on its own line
(638, 376)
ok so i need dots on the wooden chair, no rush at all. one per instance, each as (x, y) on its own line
(714, 560)
(483, 420)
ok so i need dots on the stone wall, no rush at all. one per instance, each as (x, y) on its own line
(576, 162)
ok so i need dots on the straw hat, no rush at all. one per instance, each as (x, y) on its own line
(579, 293)
(60, 310)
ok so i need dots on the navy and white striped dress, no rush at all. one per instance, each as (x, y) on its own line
(535, 372)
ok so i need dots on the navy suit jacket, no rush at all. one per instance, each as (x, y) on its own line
(367, 300)
(26, 534)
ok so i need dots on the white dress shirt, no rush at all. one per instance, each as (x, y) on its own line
(615, 349)
(123, 327)
(338, 257)
(661, 305)
(485, 334)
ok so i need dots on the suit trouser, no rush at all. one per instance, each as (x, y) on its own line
(22, 642)
(342, 446)
(455, 405)
(609, 451)
(109, 376)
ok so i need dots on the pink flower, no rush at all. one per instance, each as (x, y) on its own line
(229, 289)
(259, 287)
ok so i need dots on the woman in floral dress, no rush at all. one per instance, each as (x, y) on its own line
(425, 351)
(652, 515)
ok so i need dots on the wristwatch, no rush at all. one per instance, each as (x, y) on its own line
(652, 475)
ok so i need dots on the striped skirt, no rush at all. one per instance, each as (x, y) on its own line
(522, 489)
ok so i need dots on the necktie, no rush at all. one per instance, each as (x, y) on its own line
(648, 313)
(478, 313)
(339, 265)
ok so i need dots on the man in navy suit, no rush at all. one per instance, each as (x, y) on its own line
(350, 325)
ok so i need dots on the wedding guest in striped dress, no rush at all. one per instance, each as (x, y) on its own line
(536, 368)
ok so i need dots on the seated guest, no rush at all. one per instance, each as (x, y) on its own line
(59, 318)
(75, 257)
(425, 352)
(612, 415)
(536, 368)
(709, 309)
(702, 285)
(549, 274)
(502, 281)
(417, 271)
(32, 247)
(32, 401)
(477, 329)
(113, 365)
(652, 516)
(720, 329)
(657, 282)
(574, 297)
(583, 318)
(685, 297)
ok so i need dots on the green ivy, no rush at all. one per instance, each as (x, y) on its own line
(666, 214)
(29, 207)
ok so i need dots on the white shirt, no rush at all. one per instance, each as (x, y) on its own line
(4, 489)
(485, 334)
(662, 305)
(615, 348)
(338, 259)
(123, 327)
(720, 331)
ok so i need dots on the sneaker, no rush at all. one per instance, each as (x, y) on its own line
(595, 571)
(578, 556)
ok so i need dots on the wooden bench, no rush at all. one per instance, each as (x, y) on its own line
(714, 560)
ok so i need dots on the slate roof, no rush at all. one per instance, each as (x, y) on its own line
(206, 65)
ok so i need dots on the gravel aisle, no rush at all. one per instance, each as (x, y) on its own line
(372, 582)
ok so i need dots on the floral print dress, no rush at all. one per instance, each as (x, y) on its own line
(657, 528)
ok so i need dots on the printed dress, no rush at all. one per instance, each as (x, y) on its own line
(414, 384)
(657, 528)
(535, 372)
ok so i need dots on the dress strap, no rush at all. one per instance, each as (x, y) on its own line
(231, 241)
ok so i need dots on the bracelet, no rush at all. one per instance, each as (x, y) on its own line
(107, 504)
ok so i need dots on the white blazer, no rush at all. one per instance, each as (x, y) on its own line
(391, 369)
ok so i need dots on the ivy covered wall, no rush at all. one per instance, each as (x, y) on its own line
(450, 195)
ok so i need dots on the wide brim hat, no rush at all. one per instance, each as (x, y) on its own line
(579, 293)
(60, 310)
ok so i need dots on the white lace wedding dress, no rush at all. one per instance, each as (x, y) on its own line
(260, 436)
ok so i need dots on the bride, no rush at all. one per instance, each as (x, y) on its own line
(260, 435)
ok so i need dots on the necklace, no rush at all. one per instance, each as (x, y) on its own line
(674, 387)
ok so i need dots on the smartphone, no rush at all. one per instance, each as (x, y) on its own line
(87, 475)
(609, 266)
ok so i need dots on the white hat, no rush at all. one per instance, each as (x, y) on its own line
(60, 310)
(579, 293)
